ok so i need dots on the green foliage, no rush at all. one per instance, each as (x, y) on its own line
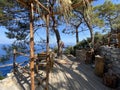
(1, 77)
(69, 50)
(55, 49)
(3, 5)
(109, 13)
(17, 28)
(19, 46)
(4, 58)
(98, 37)
(20, 32)
(86, 43)
(82, 44)
(6, 3)
(96, 20)
(116, 21)
(8, 50)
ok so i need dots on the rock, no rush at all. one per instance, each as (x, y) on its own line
(9, 74)
(111, 54)
(9, 83)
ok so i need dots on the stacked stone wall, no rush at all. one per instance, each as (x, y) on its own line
(111, 55)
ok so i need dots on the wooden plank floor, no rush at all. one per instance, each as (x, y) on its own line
(74, 76)
(71, 75)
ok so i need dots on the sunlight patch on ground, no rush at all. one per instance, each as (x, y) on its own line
(82, 75)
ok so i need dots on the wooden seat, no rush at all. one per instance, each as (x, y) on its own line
(42, 60)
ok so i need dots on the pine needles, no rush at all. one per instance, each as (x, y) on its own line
(65, 8)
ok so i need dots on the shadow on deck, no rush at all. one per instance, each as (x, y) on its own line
(71, 75)
(74, 76)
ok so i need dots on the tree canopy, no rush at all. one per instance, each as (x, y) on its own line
(110, 14)
(79, 13)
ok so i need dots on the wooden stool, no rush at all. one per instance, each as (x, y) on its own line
(99, 66)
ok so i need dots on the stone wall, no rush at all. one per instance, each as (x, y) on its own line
(111, 55)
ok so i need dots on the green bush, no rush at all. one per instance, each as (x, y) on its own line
(72, 49)
(81, 44)
(69, 50)
(1, 77)
(55, 50)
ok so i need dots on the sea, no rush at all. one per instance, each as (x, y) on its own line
(19, 59)
(8, 69)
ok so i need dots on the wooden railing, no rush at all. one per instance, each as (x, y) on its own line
(41, 60)
(14, 58)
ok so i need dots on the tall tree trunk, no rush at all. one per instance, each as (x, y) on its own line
(89, 25)
(57, 35)
(91, 32)
(54, 28)
(77, 32)
(77, 35)
(47, 52)
(58, 42)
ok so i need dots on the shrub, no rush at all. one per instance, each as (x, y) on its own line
(55, 50)
(69, 50)
(1, 77)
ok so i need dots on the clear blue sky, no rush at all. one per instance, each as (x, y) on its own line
(3, 38)
(67, 39)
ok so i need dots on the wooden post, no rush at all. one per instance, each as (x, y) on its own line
(47, 52)
(32, 47)
(109, 39)
(14, 60)
(47, 48)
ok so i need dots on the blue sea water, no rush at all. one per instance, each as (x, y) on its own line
(20, 59)
(5, 70)
(8, 69)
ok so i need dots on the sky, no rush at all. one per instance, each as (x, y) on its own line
(67, 39)
(3, 38)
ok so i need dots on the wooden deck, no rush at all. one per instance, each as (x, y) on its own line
(74, 76)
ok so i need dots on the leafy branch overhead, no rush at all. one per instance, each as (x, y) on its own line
(110, 14)
(79, 14)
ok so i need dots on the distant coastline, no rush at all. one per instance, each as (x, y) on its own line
(7, 69)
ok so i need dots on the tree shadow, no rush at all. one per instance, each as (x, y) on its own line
(22, 79)
(73, 80)
(84, 78)
(88, 72)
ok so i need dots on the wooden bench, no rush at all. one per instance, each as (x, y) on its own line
(43, 59)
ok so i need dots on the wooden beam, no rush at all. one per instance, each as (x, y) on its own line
(54, 13)
(25, 4)
(23, 54)
(14, 60)
(47, 52)
(41, 5)
(22, 2)
(32, 46)
(80, 4)
(73, 6)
